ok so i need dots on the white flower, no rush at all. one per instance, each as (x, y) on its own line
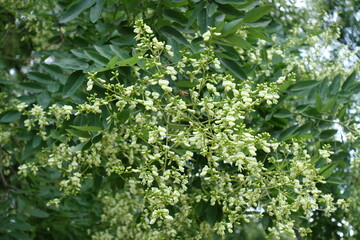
(206, 36)
(280, 80)
(90, 85)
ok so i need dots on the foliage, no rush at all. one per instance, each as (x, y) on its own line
(176, 120)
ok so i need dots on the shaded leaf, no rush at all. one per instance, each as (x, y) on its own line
(73, 82)
(74, 10)
(87, 128)
(9, 116)
(234, 68)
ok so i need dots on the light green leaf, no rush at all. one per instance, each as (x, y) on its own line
(299, 86)
(186, 84)
(78, 133)
(335, 85)
(87, 128)
(130, 61)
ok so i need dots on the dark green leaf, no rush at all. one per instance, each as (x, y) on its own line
(74, 10)
(335, 85)
(39, 77)
(175, 16)
(172, 32)
(96, 58)
(238, 41)
(234, 68)
(31, 87)
(230, 10)
(123, 116)
(73, 83)
(9, 116)
(328, 133)
(257, 13)
(349, 81)
(95, 11)
(38, 213)
(202, 21)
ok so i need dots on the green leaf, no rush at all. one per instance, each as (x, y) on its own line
(335, 85)
(95, 11)
(172, 32)
(96, 58)
(9, 116)
(202, 21)
(130, 61)
(31, 87)
(230, 10)
(238, 41)
(231, 1)
(44, 99)
(259, 35)
(71, 63)
(186, 84)
(234, 68)
(328, 170)
(283, 113)
(349, 81)
(87, 128)
(39, 77)
(299, 86)
(123, 116)
(318, 102)
(78, 133)
(231, 27)
(328, 133)
(328, 106)
(211, 8)
(257, 13)
(73, 82)
(104, 51)
(336, 180)
(113, 61)
(38, 213)
(54, 71)
(195, 13)
(121, 53)
(175, 16)
(74, 10)
(81, 147)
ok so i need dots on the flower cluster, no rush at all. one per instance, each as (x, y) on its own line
(179, 137)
